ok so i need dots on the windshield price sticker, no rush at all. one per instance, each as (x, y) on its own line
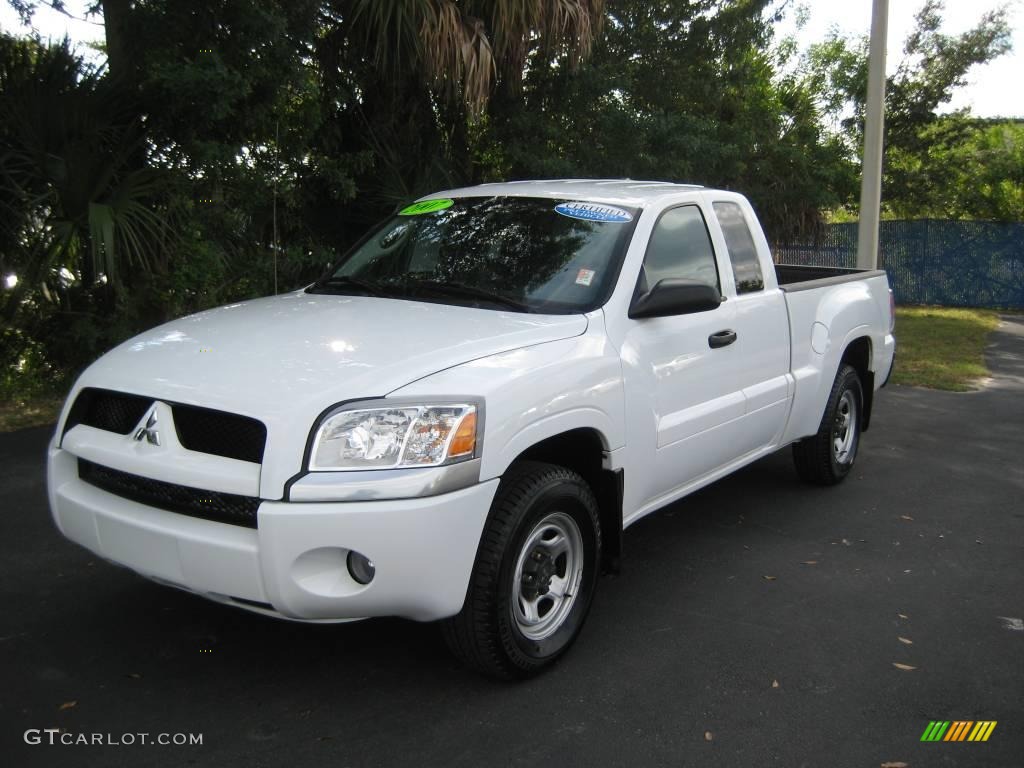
(594, 212)
(585, 277)
(426, 206)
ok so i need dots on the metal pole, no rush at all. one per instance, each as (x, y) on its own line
(871, 179)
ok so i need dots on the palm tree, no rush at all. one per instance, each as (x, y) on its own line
(463, 47)
(73, 192)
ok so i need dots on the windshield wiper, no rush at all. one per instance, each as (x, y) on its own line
(348, 281)
(453, 288)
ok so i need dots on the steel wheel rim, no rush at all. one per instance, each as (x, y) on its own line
(844, 429)
(551, 559)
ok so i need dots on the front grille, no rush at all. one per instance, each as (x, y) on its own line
(220, 433)
(208, 505)
(110, 411)
(199, 429)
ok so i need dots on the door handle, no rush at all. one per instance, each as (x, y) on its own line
(721, 339)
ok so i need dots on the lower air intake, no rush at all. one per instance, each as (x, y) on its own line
(194, 502)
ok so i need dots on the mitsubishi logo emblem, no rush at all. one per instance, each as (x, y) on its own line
(149, 431)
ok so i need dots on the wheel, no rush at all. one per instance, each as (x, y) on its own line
(535, 573)
(827, 457)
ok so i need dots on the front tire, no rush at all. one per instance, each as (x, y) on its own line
(535, 574)
(827, 457)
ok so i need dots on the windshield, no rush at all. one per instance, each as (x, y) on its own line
(511, 253)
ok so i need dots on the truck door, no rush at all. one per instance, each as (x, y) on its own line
(762, 330)
(683, 374)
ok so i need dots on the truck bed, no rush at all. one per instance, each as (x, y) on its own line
(796, 277)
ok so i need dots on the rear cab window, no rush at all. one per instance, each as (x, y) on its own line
(746, 266)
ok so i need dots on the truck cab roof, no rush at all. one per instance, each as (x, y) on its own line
(622, 191)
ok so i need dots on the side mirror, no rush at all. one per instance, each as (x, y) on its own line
(675, 296)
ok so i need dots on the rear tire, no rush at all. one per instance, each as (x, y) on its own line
(535, 574)
(828, 456)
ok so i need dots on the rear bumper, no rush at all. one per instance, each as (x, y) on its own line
(294, 564)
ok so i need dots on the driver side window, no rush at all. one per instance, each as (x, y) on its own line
(680, 247)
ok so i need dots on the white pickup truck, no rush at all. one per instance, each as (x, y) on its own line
(458, 421)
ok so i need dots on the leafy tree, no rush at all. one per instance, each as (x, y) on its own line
(972, 169)
(425, 72)
(72, 195)
(462, 46)
(233, 147)
(302, 103)
(682, 91)
(933, 67)
(80, 218)
(278, 131)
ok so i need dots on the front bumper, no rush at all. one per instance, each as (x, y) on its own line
(294, 564)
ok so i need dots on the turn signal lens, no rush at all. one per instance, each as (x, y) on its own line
(464, 441)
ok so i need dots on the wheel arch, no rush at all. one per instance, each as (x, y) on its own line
(857, 355)
(583, 450)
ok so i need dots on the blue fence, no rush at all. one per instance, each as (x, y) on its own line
(930, 261)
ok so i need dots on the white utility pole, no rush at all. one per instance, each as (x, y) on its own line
(874, 118)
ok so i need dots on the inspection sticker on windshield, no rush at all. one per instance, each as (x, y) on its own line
(426, 206)
(594, 212)
(585, 277)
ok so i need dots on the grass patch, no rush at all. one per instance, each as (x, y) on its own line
(942, 348)
(21, 413)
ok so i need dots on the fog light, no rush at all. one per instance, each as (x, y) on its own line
(361, 567)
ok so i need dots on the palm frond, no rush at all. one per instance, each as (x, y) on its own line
(560, 27)
(389, 30)
(463, 47)
(457, 54)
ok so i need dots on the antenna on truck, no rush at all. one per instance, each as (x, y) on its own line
(277, 169)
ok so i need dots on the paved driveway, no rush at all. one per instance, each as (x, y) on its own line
(756, 623)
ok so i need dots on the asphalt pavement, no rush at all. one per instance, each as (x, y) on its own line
(756, 623)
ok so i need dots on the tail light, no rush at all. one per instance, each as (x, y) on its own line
(892, 311)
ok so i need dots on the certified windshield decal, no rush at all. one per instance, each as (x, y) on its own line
(426, 206)
(594, 212)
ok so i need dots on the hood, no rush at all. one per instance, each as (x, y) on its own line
(286, 356)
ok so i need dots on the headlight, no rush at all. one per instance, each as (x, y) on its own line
(389, 437)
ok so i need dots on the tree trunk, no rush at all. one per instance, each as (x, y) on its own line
(115, 23)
